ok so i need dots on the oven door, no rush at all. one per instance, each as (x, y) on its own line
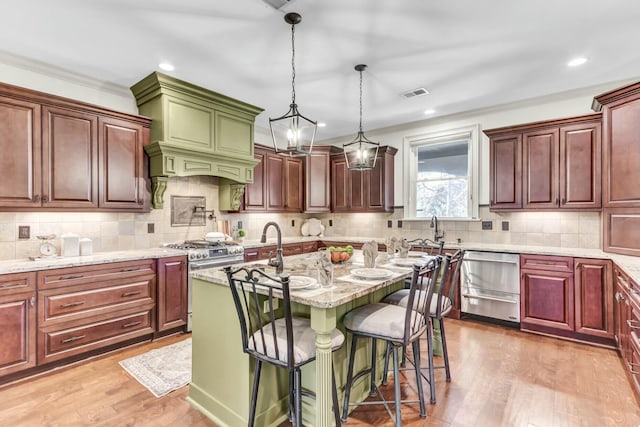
(207, 263)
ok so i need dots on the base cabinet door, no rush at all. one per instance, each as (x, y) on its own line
(17, 322)
(172, 292)
(594, 297)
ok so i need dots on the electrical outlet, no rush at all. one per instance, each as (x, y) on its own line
(24, 232)
(399, 223)
(293, 222)
(151, 228)
(389, 224)
(276, 305)
(239, 224)
(487, 225)
(505, 225)
(330, 223)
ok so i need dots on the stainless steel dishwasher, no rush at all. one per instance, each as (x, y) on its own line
(490, 285)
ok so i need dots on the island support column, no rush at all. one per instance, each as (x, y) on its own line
(323, 322)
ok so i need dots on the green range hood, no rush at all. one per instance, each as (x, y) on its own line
(196, 131)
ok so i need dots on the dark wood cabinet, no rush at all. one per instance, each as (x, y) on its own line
(546, 165)
(621, 169)
(171, 303)
(21, 147)
(60, 154)
(17, 322)
(121, 148)
(89, 308)
(567, 297)
(547, 294)
(70, 158)
(593, 281)
(317, 169)
(363, 191)
(278, 184)
(627, 325)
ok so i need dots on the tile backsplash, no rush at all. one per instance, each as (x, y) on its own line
(123, 231)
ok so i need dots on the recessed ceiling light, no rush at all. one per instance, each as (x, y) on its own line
(321, 125)
(166, 66)
(577, 61)
(429, 111)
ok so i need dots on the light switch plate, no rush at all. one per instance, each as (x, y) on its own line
(487, 225)
(24, 232)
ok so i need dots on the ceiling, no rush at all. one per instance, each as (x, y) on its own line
(468, 54)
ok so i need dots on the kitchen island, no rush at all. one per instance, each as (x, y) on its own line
(222, 374)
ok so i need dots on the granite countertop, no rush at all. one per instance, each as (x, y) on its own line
(630, 264)
(346, 287)
(23, 265)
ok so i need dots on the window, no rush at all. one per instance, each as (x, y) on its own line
(442, 174)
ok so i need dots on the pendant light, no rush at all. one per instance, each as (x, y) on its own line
(293, 133)
(361, 153)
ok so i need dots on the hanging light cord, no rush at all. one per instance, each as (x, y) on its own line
(360, 101)
(293, 63)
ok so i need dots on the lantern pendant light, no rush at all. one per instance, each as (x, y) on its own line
(293, 133)
(361, 153)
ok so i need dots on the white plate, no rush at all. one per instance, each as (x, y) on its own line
(372, 273)
(417, 254)
(301, 282)
(408, 262)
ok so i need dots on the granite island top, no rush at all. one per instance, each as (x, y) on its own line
(346, 286)
(46, 263)
(630, 264)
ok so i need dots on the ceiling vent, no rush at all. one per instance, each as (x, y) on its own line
(415, 92)
(278, 4)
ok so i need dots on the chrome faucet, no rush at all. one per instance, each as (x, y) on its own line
(278, 262)
(437, 235)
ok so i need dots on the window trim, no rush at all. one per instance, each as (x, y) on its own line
(410, 143)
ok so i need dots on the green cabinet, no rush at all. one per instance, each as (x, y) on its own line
(195, 131)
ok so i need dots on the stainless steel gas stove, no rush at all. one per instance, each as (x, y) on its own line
(203, 254)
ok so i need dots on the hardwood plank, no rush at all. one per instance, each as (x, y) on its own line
(500, 377)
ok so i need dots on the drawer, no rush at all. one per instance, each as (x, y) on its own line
(89, 300)
(625, 282)
(77, 338)
(17, 282)
(91, 273)
(288, 250)
(546, 262)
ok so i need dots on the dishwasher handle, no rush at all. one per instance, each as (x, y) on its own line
(490, 298)
(499, 261)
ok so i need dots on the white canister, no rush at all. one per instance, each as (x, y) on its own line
(70, 244)
(86, 246)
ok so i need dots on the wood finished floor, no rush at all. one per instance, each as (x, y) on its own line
(501, 377)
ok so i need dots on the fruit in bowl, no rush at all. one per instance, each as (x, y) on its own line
(340, 254)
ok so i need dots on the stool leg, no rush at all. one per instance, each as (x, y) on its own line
(386, 363)
(396, 385)
(254, 393)
(291, 396)
(416, 362)
(432, 374)
(347, 389)
(445, 353)
(372, 384)
(334, 392)
(298, 397)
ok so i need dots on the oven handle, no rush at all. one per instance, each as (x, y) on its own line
(490, 298)
(213, 264)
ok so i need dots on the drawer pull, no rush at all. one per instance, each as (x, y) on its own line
(132, 324)
(72, 339)
(131, 269)
(72, 304)
(130, 294)
(71, 276)
(631, 365)
(11, 285)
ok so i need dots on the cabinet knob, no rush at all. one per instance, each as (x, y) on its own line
(36, 198)
(45, 199)
(619, 297)
(564, 201)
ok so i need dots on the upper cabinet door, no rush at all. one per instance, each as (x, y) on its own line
(506, 171)
(340, 184)
(121, 164)
(293, 185)
(317, 181)
(540, 171)
(255, 192)
(580, 166)
(70, 159)
(20, 145)
(622, 153)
